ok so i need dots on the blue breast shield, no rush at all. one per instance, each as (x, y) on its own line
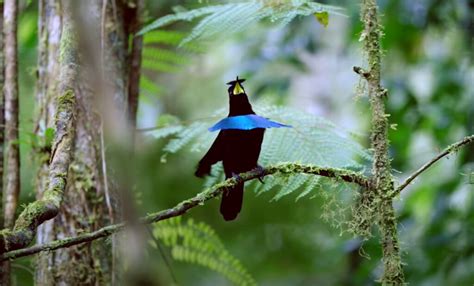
(245, 122)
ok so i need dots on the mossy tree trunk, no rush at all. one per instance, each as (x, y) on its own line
(86, 204)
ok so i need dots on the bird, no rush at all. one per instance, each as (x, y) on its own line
(237, 145)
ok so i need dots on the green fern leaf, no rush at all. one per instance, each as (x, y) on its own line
(171, 38)
(181, 16)
(147, 85)
(165, 131)
(198, 243)
(236, 17)
(158, 66)
(166, 56)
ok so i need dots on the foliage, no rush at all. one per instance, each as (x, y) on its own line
(160, 55)
(236, 17)
(198, 243)
(335, 147)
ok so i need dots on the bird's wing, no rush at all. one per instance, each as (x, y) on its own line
(245, 122)
(213, 155)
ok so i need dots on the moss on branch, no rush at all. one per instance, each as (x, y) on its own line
(48, 206)
(375, 205)
(448, 150)
(199, 199)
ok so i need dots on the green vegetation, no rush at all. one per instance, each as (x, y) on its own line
(298, 58)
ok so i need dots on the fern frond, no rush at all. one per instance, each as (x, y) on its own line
(166, 131)
(294, 183)
(312, 184)
(163, 55)
(185, 137)
(160, 55)
(312, 140)
(172, 38)
(180, 16)
(158, 66)
(236, 17)
(148, 86)
(198, 243)
(232, 18)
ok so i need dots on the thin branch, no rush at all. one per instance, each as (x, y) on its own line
(199, 199)
(363, 73)
(48, 206)
(135, 63)
(104, 172)
(450, 149)
(2, 114)
(5, 267)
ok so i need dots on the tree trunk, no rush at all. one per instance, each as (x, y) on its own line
(87, 202)
(12, 153)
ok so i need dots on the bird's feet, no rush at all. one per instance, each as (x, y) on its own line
(237, 177)
(260, 170)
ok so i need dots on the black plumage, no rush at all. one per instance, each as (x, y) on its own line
(237, 149)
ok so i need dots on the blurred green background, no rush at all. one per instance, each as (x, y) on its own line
(427, 68)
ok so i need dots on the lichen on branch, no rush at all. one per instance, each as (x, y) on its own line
(184, 206)
(448, 150)
(375, 205)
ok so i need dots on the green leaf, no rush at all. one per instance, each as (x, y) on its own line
(149, 86)
(198, 243)
(322, 17)
(236, 17)
(180, 16)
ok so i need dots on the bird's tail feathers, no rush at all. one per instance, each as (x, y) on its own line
(231, 203)
(203, 169)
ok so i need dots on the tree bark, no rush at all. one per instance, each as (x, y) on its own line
(83, 208)
(12, 187)
(4, 267)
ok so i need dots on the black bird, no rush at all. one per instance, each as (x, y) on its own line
(237, 146)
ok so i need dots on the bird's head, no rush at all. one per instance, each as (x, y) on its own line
(236, 87)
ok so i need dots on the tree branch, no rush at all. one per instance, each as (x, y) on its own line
(377, 204)
(135, 62)
(48, 206)
(450, 149)
(199, 199)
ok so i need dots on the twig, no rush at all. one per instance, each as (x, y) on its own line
(360, 71)
(199, 199)
(104, 172)
(450, 149)
(135, 65)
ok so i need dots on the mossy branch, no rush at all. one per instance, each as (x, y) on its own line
(199, 199)
(450, 149)
(48, 206)
(377, 202)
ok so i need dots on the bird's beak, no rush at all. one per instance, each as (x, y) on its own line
(238, 89)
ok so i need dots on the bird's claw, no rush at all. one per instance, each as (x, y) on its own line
(237, 177)
(260, 169)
